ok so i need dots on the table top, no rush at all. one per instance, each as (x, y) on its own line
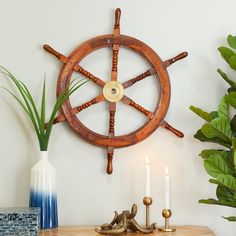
(89, 231)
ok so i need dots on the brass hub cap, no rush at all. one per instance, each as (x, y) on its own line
(113, 91)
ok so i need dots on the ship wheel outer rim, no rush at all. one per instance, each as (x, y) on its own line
(161, 108)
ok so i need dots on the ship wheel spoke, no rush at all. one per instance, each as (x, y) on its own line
(58, 55)
(88, 75)
(175, 59)
(176, 132)
(76, 68)
(115, 47)
(138, 107)
(76, 110)
(112, 110)
(138, 78)
(110, 154)
(112, 105)
(110, 150)
(114, 72)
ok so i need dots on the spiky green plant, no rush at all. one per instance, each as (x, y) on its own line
(42, 128)
(220, 128)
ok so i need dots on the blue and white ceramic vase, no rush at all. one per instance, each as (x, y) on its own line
(43, 191)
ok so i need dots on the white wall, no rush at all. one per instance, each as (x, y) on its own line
(86, 195)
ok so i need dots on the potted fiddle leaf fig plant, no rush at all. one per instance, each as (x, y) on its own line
(220, 128)
(43, 174)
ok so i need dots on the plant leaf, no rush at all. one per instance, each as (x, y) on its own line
(214, 181)
(17, 99)
(232, 62)
(231, 98)
(212, 132)
(233, 126)
(43, 101)
(231, 89)
(226, 194)
(230, 162)
(214, 114)
(215, 165)
(205, 154)
(235, 160)
(222, 124)
(223, 108)
(225, 77)
(231, 41)
(20, 88)
(29, 106)
(40, 125)
(230, 218)
(228, 181)
(203, 114)
(216, 202)
(201, 137)
(60, 100)
(226, 53)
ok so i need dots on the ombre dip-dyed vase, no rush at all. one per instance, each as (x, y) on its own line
(43, 191)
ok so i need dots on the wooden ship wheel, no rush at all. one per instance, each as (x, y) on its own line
(114, 91)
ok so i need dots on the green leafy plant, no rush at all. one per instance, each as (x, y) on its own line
(37, 116)
(220, 128)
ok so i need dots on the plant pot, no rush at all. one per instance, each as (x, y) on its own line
(43, 191)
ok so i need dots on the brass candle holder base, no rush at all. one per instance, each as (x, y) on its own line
(166, 213)
(147, 201)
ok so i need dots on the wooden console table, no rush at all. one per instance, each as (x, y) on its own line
(85, 231)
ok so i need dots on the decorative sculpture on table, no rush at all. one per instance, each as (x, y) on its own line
(114, 92)
(124, 222)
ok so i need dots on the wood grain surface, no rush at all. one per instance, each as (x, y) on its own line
(88, 231)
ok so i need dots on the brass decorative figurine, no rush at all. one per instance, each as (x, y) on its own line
(166, 213)
(124, 222)
(147, 201)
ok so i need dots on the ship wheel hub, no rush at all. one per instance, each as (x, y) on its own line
(113, 91)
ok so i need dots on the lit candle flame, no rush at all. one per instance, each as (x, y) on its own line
(147, 161)
(166, 170)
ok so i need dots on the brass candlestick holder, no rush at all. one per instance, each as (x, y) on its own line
(166, 213)
(147, 201)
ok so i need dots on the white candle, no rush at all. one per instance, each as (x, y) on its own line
(147, 167)
(167, 189)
